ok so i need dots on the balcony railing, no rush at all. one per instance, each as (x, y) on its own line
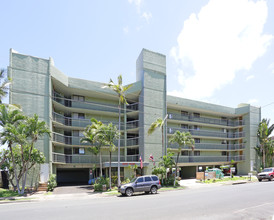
(209, 146)
(91, 105)
(72, 140)
(84, 104)
(208, 133)
(76, 158)
(209, 159)
(224, 122)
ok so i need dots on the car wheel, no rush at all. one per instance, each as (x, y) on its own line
(129, 192)
(270, 178)
(153, 190)
(260, 180)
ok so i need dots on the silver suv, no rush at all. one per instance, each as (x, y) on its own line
(149, 183)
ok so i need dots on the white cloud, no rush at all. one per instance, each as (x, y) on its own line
(137, 3)
(252, 101)
(271, 67)
(125, 30)
(223, 38)
(249, 77)
(147, 16)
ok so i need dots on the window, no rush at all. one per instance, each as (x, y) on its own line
(224, 130)
(197, 140)
(196, 115)
(224, 153)
(147, 179)
(184, 153)
(140, 180)
(170, 116)
(184, 113)
(78, 98)
(196, 127)
(196, 153)
(78, 115)
(81, 150)
(76, 150)
(132, 151)
(81, 115)
(184, 126)
(224, 119)
(154, 178)
(224, 142)
(81, 134)
(76, 133)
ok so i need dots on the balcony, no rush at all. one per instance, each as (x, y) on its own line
(233, 135)
(213, 121)
(73, 140)
(209, 159)
(84, 104)
(132, 107)
(76, 158)
(92, 105)
(209, 146)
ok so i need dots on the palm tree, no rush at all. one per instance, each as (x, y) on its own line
(10, 116)
(158, 123)
(120, 90)
(34, 129)
(167, 162)
(4, 85)
(108, 133)
(182, 139)
(263, 133)
(91, 137)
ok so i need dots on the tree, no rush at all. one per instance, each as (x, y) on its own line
(34, 129)
(263, 133)
(120, 90)
(91, 137)
(108, 133)
(10, 116)
(134, 168)
(160, 170)
(158, 123)
(24, 131)
(167, 162)
(182, 139)
(36, 157)
(4, 85)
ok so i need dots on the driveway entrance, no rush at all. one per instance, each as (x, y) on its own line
(73, 189)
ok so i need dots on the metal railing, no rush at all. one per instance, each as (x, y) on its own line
(194, 132)
(201, 159)
(73, 140)
(211, 146)
(224, 122)
(91, 105)
(76, 158)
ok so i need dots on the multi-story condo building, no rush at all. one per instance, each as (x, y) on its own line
(66, 104)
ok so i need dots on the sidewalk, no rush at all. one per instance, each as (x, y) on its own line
(194, 184)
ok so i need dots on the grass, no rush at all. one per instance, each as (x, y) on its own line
(229, 179)
(167, 188)
(7, 193)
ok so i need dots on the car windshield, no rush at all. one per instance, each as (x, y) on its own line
(133, 180)
(267, 170)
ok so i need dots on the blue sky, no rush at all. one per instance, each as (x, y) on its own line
(218, 51)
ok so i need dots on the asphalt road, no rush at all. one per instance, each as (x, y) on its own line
(245, 201)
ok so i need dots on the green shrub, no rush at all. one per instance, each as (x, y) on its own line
(98, 186)
(52, 182)
(127, 180)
